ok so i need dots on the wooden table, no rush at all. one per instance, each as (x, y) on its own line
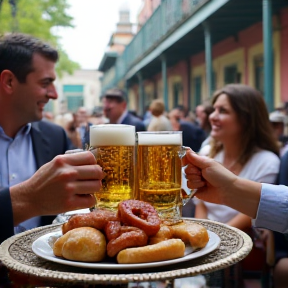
(27, 269)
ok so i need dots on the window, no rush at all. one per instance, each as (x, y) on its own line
(74, 95)
(177, 88)
(74, 102)
(197, 90)
(231, 75)
(259, 73)
(214, 81)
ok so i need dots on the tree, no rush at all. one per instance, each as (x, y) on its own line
(38, 18)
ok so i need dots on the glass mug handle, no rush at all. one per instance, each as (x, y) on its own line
(189, 193)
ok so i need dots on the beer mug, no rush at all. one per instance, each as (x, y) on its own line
(159, 172)
(113, 146)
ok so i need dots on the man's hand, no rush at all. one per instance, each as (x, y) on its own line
(216, 184)
(66, 183)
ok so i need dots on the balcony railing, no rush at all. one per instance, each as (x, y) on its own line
(165, 19)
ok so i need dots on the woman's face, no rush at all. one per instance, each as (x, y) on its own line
(224, 122)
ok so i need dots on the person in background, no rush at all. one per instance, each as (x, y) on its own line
(203, 112)
(278, 121)
(185, 114)
(159, 121)
(83, 126)
(115, 109)
(193, 136)
(147, 116)
(242, 142)
(97, 116)
(72, 130)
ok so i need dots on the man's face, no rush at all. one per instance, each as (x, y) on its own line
(82, 116)
(113, 109)
(30, 97)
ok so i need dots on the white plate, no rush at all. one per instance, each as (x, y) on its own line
(42, 248)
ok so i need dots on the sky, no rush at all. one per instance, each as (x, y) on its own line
(94, 21)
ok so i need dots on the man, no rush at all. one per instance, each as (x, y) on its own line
(83, 126)
(278, 121)
(27, 73)
(115, 109)
(193, 136)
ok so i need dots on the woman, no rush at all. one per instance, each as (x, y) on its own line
(159, 121)
(242, 140)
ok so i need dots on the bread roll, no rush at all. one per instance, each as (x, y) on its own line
(163, 234)
(165, 250)
(84, 244)
(192, 233)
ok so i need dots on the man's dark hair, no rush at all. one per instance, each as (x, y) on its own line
(16, 54)
(115, 94)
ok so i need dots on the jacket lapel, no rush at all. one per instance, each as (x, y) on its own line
(41, 145)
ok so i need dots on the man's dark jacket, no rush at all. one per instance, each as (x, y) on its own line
(49, 140)
(193, 136)
(132, 120)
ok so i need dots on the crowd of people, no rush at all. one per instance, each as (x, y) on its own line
(234, 129)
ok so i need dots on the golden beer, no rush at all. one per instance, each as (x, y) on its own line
(114, 150)
(159, 171)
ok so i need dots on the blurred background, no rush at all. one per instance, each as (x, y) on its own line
(178, 51)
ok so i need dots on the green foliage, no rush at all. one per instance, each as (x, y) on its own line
(39, 18)
(65, 64)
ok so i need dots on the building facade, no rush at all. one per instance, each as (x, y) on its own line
(186, 49)
(82, 88)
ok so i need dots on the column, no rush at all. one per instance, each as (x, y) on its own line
(208, 58)
(188, 62)
(268, 54)
(164, 81)
(141, 93)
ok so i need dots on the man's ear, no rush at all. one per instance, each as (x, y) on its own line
(7, 81)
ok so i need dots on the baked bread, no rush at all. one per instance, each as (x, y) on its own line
(192, 233)
(84, 244)
(162, 251)
(163, 234)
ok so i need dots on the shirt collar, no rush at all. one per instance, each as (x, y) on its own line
(25, 130)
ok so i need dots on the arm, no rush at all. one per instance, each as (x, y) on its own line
(200, 210)
(273, 208)
(240, 221)
(214, 183)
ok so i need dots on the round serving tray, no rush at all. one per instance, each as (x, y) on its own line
(17, 255)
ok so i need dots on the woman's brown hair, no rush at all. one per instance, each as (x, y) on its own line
(157, 107)
(252, 114)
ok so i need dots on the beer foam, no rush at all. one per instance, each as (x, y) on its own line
(147, 138)
(112, 135)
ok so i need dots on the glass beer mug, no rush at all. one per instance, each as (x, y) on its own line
(159, 172)
(113, 146)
